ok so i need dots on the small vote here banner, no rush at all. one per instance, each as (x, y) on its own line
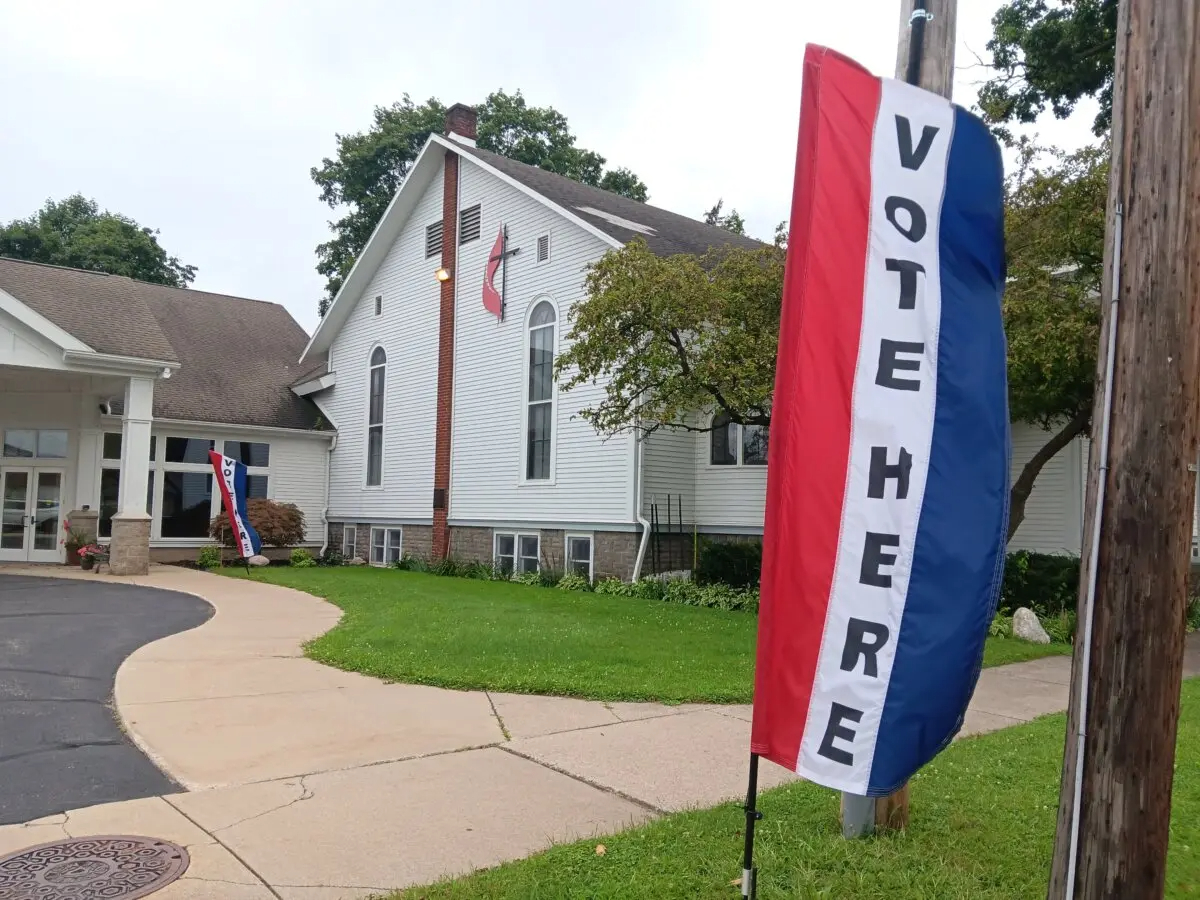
(888, 477)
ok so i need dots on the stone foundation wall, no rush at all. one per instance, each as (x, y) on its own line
(669, 553)
(614, 554)
(417, 540)
(471, 544)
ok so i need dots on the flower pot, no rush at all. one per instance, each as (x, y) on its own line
(72, 557)
(87, 562)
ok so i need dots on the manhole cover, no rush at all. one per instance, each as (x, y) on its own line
(114, 867)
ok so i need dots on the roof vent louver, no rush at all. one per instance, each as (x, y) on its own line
(433, 239)
(468, 224)
(543, 248)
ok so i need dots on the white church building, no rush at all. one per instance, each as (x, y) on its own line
(422, 416)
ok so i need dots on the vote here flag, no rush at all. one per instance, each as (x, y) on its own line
(888, 477)
(232, 481)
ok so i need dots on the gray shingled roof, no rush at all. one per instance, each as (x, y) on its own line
(100, 310)
(237, 357)
(668, 233)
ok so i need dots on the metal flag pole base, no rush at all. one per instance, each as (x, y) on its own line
(749, 873)
(858, 816)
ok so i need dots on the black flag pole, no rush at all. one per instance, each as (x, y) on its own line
(749, 873)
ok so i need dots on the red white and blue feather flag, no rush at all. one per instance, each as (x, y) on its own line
(887, 494)
(231, 479)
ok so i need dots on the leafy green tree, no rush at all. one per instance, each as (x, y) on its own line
(370, 166)
(1051, 53)
(1054, 228)
(75, 232)
(674, 337)
(730, 222)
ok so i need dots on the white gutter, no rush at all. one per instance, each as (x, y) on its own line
(224, 427)
(640, 458)
(106, 362)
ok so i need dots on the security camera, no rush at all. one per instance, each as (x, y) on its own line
(105, 408)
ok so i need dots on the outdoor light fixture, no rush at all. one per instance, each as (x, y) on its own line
(442, 274)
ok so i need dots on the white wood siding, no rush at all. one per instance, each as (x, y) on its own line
(20, 345)
(592, 479)
(408, 332)
(1053, 512)
(728, 497)
(669, 458)
(297, 475)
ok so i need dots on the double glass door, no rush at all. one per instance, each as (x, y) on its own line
(31, 514)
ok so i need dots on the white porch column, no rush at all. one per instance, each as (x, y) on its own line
(130, 549)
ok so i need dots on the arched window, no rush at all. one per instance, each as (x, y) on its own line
(540, 396)
(754, 445)
(731, 444)
(375, 417)
(723, 441)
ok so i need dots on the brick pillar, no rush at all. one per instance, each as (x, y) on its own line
(445, 381)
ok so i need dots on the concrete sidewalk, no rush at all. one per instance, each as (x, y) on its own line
(308, 783)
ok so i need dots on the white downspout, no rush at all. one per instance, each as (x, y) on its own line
(639, 460)
(325, 511)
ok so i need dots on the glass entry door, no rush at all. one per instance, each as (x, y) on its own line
(31, 515)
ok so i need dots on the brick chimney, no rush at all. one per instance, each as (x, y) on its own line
(461, 120)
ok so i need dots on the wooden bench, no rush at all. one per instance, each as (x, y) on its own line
(98, 560)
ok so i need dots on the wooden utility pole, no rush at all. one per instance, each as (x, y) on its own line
(1142, 558)
(936, 72)
(925, 57)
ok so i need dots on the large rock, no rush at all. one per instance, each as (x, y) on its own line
(1027, 627)
(258, 560)
(356, 561)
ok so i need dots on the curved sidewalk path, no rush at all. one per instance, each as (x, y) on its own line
(308, 783)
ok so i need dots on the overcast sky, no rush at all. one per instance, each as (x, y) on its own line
(203, 120)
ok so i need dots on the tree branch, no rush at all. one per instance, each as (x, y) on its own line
(1023, 486)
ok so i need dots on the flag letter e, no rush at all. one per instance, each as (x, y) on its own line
(835, 730)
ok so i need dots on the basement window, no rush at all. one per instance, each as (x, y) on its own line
(385, 546)
(469, 224)
(516, 553)
(579, 554)
(433, 239)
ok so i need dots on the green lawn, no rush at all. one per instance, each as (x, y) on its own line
(459, 633)
(982, 827)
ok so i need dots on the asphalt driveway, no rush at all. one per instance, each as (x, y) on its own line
(61, 642)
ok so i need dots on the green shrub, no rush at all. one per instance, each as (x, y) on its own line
(534, 579)
(735, 563)
(1046, 583)
(447, 566)
(1001, 626)
(1060, 627)
(548, 576)
(331, 557)
(277, 524)
(1193, 614)
(614, 586)
(573, 581)
(209, 558)
(410, 563)
(478, 570)
(302, 559)
(648, 589)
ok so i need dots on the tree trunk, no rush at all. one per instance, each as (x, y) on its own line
(1128, 724)
(1023, 486)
